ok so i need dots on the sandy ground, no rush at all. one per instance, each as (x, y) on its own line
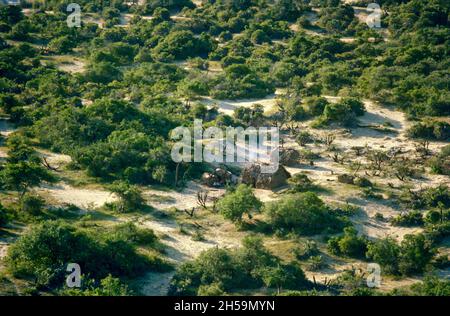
(6, 128)
(67, 63)
(325, 171)
(3, 250)
(82, 198)
(228, 106)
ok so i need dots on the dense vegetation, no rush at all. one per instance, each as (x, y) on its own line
(139, 81)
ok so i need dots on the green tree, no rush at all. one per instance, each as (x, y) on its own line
(130, 196)
(386, 253)
(415, 253)
(239, 202)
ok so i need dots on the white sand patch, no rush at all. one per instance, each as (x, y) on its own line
(228, 106)
(180, 248)
(55, 159)
(82, 198)
(184, 200)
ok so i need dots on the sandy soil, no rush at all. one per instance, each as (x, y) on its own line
(228, 106)
(82, 198)
(3, 250)
(325, 171)
(6, 128)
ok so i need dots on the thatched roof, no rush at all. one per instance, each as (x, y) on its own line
(252, 175)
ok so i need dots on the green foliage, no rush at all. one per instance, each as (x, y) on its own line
(431, 286)
(44, 251)
(434, 130)
(22, 176)
(129, 232)
(221, 270)
(441, 163)
(303, 213)
(3, 216)
(385, 252)
(31, 204)
(181, 45)
(315, 106)
(238, 202)
(350, 244)
(108, 286)
(301, 183)
(412, 255)
(130, 197)
(413, 218)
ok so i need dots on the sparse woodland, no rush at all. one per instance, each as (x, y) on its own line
(87, 177)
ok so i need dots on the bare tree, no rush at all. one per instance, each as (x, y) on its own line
(202, 197)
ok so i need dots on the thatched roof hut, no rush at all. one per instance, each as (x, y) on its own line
(253, 176)
(289, 156)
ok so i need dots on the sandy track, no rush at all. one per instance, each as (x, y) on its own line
(82, 198)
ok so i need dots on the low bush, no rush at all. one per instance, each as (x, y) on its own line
(303, 213)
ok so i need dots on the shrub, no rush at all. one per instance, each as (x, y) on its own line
(413, 218)
(434, 130)
(239, 202)
(441, 163)
(303, 213)
(108, 286)
(306, 250)
(416, 252)
(129, 232)
(385, 252)
(44, 251)
(130, 197)
(31, 204)
(431, 286)
(315, 106)
(3, 216)
(411, 256)
(350, 244)
(217, 271)
(301, 183)
(344, 112)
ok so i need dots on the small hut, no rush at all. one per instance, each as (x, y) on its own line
(289, 156)
(218, 178)
(253, 176)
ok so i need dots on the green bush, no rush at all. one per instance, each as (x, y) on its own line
(129, 232)
(108, 286)
(441, 163)
(350, 244)
(385, 252)
(413, 218)
(238, 202)
(303, 213)
(221, 270)
(31, 204)
(434, 130)
(44, 251)
(3, 216)
(411, 256)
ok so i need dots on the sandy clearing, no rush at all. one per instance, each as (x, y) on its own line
(185, 199)
(82, 198)
(55, 159)
(182, 247)
(325, 171)
(228, 106)
(6, 127)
